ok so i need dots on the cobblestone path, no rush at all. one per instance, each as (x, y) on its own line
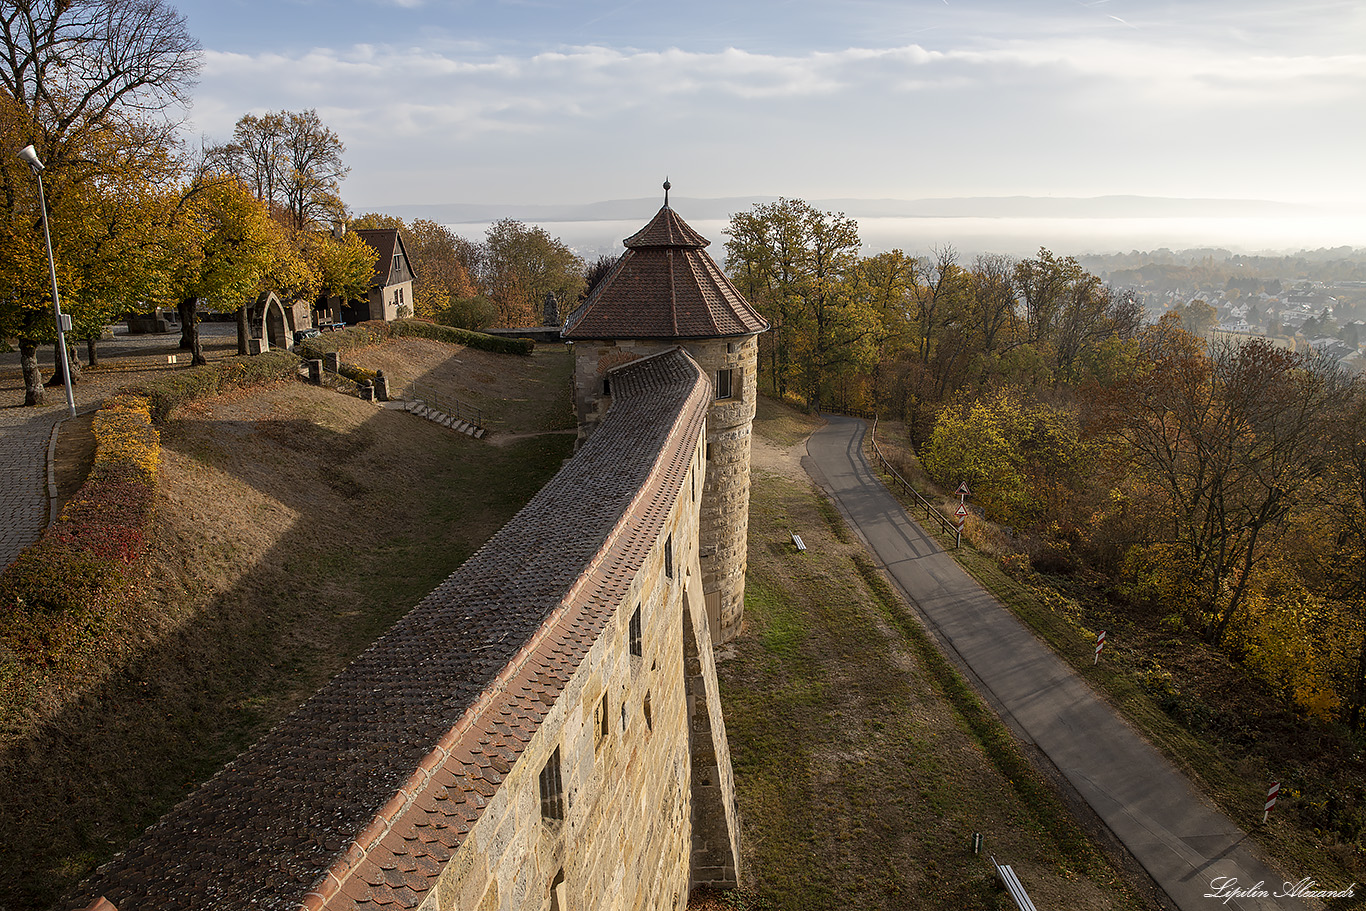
(24, 435)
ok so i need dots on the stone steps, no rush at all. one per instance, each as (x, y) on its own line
(423, 410)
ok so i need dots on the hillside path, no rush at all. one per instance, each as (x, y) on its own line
(1151, 807)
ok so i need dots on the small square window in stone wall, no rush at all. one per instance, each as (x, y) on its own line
(724, 388)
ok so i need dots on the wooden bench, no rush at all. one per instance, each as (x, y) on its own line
(797, 540)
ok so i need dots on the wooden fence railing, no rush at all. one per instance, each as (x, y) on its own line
(931, 511)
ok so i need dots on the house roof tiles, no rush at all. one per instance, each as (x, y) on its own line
(664, 286)
(325, 803)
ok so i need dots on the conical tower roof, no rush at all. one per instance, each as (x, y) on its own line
(664, 286)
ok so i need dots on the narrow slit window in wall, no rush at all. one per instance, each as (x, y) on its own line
(557, 896)
(637, 647)
(552, 795)
(604, 724)
(607, 385)
(649, 719)
(669, 556)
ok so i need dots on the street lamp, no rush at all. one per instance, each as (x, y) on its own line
(30, 158)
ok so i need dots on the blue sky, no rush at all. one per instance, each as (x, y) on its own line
(545, 101)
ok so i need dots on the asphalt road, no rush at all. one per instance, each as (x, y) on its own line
(1189, 849)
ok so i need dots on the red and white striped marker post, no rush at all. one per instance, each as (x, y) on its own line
(1271, 794)
(1100, 646)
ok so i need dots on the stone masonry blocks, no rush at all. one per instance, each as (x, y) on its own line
(725, 497)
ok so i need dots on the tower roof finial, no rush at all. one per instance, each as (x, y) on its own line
(666, 192)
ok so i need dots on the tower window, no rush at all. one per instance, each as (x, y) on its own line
(552, 795)
(724, 389)
(669, 556)
(649, 718)
(604, 720)
(637, 647)
(607, 385)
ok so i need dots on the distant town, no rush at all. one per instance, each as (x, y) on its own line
(1307, 300)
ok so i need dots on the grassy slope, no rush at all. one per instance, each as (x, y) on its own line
(295, 525)
(863, 763)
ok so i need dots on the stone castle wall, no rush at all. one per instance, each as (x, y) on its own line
(725, 501)
(520, 740)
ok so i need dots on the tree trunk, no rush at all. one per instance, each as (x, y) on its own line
(72, 363)
(33, 377)
(243, 332)
(91, 355)
(188, 330)
(189, 320)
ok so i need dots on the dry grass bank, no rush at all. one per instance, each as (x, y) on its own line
(295, 525)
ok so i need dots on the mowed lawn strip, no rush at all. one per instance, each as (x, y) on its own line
(860, 783)
(295, 526)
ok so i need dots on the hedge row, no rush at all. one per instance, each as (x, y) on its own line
(57, 595)
(210, 379)
(371, 333)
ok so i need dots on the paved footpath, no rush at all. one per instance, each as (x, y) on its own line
(24, 436)
(1182, 841)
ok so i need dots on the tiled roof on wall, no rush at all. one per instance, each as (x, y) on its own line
(357, 798)
(665, 286)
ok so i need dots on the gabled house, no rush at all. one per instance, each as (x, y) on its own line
(391, 288)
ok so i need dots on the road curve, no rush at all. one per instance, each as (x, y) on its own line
(1186, 846)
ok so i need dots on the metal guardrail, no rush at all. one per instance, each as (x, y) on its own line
(931, 511)
(447, 405)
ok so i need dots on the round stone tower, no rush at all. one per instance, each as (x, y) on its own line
(666, 291)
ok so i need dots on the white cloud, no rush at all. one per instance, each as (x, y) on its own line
(1097, 109)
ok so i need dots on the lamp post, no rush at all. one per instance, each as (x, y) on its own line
(30, 158)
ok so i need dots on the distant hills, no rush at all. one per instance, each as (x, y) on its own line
(947, 207)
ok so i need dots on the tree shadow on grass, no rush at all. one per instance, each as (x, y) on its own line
(287, 543)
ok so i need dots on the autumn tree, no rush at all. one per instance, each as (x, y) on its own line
(797, 265)
(1197, 317)
(1011, 452)
(884, 283)
(222, 245)
(1067, 311)
(1228, 439)
(764, 256)
(291, 161)
(1342, 561)
(257, 154)
(76, 80)
(521, 265)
